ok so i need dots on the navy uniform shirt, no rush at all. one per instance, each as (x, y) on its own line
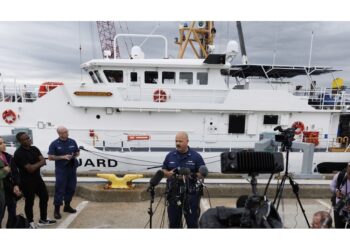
(176, 160)
(67, 147)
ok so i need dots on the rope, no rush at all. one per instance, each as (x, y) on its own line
(126, 45)
(127, 28)
(101, 155)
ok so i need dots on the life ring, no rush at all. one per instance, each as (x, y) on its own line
(299, 127)
(9, 116)
(160, 96)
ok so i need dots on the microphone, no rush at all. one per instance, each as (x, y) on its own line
(82, 148)
(203, 170)
(326, 222)
(184, 171)
(154, 181)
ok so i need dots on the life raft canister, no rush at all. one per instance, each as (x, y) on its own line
(9, 116)
(299, 127)
(160, 96)
(48, 86)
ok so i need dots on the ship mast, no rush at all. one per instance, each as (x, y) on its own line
(200, 35)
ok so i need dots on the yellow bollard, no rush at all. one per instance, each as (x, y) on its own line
(120, 183)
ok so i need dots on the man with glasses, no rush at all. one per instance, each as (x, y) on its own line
(28, 159)
(64, 151)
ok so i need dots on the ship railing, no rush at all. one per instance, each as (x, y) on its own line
(325, 98)
(14, 92)
(326, 141)
(156, 145)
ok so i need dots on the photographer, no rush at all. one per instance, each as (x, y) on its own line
(182, 169)
(64, 151)
(340, 186)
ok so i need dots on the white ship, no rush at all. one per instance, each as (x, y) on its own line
(126, 118)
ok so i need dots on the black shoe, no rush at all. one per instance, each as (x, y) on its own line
(69, 209)
(57, 215)
(46, 222)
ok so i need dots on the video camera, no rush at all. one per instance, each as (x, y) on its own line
(286, 137)
(343, 207)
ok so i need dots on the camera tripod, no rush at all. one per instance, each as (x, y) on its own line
(295, 186)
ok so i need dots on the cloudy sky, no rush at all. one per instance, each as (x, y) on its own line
(35, 52)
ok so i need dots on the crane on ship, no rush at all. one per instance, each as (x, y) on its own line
(199, 35)
(107, 32)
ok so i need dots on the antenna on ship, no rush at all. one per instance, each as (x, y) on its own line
(241, 43)
(200, 35)
(80, 56)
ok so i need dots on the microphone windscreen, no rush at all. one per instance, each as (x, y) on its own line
(81, 147)
(203, 170)
(184, 171)
(154, 181)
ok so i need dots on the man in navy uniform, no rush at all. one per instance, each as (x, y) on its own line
(64, 151)
(183, 190)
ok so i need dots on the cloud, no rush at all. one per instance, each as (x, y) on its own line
(41, 51)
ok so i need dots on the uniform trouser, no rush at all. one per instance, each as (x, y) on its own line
(2, 205)
(11, 210)
(189, 207)
(30, 188)
(66, 182)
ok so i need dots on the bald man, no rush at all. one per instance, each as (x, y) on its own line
(184, 193)
(64, 151)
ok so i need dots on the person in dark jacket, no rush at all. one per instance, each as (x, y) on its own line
(183, 192)
(11, 185)
(3, 173)
(29, 160)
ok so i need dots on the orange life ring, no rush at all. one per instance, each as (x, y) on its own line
(299, 127)
(160, 96)
(9, 116)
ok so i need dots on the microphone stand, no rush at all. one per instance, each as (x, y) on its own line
(150, 209)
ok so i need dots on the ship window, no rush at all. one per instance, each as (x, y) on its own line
(151, 77)
(186, 78)
(270, 119)
(133, 77)
(93, 77)
(168, 77)
(114, 75)
(202, 78)
(98, 76)
(236, 124)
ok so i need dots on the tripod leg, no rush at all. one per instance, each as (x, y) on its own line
(295, 189)
(268, 184)
(279, 192)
